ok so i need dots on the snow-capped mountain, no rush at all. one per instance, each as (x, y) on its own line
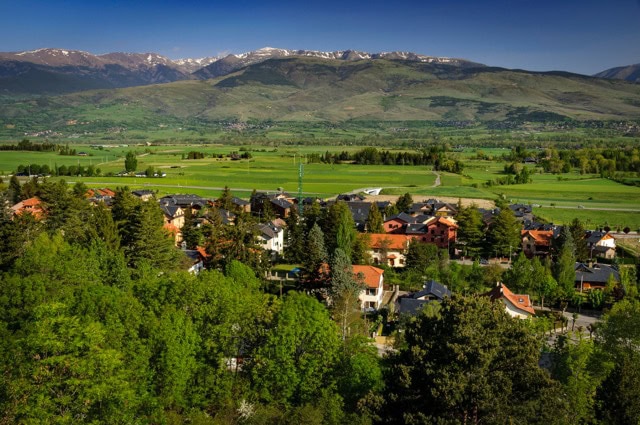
(54, 70)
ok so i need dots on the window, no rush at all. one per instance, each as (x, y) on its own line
(371, 291)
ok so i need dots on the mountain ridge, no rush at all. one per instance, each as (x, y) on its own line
(76, 70)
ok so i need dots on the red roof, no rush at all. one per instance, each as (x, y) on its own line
(519, 301)
(31, 205)
(202, 252)
(541, 237)
(371, 274)
(394, 242)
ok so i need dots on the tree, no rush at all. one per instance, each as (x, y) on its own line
(344, 291)
(564, 268)
(504, 233)
(374, 220)
(191, 232)
(294, 248)
(404, 202)
(225, 199)
(580, 242)
(519, 278)
(130, 162)
(147, 239)
(294, 364)
(619, 394)
(67, 373)
(575, 368)
(316, 254)
(15, 190)
(469, 363)
(339, 228)
(470, 230)
(421, 255)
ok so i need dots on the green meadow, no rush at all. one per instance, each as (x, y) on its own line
(557, 198)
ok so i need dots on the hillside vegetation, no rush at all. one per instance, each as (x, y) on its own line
(311, 90)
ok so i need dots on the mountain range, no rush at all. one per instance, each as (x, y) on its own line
(628, 73)
(56, 71)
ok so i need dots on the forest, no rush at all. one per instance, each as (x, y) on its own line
(101, 323)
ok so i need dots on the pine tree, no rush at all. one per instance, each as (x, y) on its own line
(504, 234)
(374, 220)
(130, 162)
(224, 201)
(470, 229)
(294, 249)
(15, 190)
(315, 253)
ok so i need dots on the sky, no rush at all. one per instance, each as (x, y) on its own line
(540, 35)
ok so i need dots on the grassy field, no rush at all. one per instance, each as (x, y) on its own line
(559, 199)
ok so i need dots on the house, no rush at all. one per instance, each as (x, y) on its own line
(397, 223)
(373, 278)
(31, 206)
(194, 202)
(440, 231)
(241, 204)
(516, 305)
(279, 202)
(172, 214)
(389, 249)
(100, 195)
(431, 291)
(536, 242)
(594, 276)
(174, 232)
(143, 194)
(196, 258)
(601, 244)
(270, 237)
(443, 209)
(522, 212)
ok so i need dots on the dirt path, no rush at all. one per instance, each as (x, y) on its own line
(482, 203)
(437, 182)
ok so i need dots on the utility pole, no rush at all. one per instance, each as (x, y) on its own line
(300, 175)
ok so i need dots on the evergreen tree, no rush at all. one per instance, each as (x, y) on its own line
(579, 240)
(191, 232)
(224, 201)
(470, 230)
(315, 254)
(374, 220)
(147, 239)
(339, 228)
(421, 255)
(504, 233)
(564, 268)
(519, 278)
(312, 215)
(294, 249)
(15, 190)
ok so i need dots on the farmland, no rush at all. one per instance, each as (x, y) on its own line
(556, 198)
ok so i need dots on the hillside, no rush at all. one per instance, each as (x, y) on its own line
(310, 89)
(629, 73)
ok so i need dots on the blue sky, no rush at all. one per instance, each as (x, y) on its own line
(579, 36)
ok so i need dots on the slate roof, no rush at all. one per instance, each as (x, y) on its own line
(595, 237)
(349, 197)
(597, 273)
(268, 231)
(434, 288)
(239, 202)
(170, 210)
(142, 192)
(413, 304)
(402, 217)
(282, 203)
(416, 229)
(184, 200)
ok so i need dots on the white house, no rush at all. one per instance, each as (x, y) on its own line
(389, 249)
(516, 305)
(373, 278)
(271, 237)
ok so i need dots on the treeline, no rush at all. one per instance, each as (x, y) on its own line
(202, 155)
(62, 170)
(435, 155)
(26, 145)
